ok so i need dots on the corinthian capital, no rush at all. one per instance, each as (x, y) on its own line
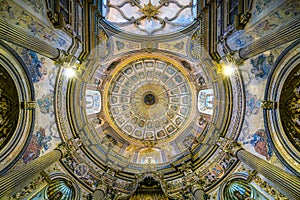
(62, 58)
(101, 186)
(64, 149)
(233, 147)
(197, 186)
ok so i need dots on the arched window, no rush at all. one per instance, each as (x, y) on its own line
(240, 189)
(206, 101)
(92, 102)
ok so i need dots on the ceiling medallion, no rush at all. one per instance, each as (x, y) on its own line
(148, 45)
(149, 99)
(149, 10)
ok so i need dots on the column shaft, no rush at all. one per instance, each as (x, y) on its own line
(288, 183)
(199, 194)
(287, 33)
(20, 37)
(98, 195)
(20, 177)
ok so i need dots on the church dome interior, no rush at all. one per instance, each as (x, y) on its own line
(149, 99)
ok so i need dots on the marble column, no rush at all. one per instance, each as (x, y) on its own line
(98, 194)
(18, 36)
(20, 177)
(283, 35)
(288, 183)
(199, 194)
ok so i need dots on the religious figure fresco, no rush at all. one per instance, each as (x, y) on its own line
(38, 143)
(45, 104)
(253, 104)
(261, 143)
(36, 65)
(261, 66)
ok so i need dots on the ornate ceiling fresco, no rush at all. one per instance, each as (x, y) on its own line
(149, 113)
(134, 111)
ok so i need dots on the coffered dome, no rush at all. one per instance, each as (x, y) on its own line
(149, 99)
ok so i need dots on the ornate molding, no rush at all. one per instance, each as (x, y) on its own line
(241, 20)
(232, 148)
(28, 105)
(282, 121)
(12, 92)
(269, 105)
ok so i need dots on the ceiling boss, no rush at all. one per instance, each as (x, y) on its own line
(149, 10)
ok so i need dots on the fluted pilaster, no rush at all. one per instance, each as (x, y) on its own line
(20, 37)
(20, 177)
(287, 33)
(288, 183)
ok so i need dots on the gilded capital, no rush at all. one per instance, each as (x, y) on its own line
(242, 20)
(62, 58)
(232, 148)
(101, 186)
(64, 149)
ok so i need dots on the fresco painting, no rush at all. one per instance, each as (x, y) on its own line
(39, 142)
(261, 143)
